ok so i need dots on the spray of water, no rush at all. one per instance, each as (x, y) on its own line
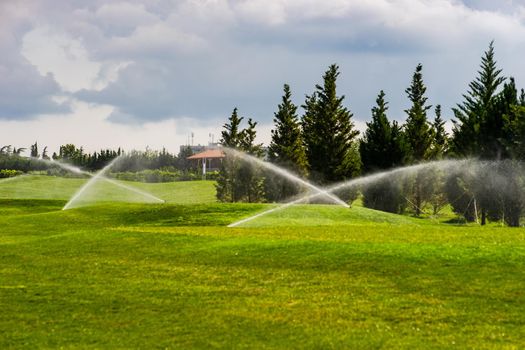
(449, 165)
(9, 179)
(100, 176)
(287, 175)
(113, 182)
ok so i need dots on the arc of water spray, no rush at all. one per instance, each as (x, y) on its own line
(94, 178)
(8, 179)
(352, 183)
(288, 175)
(111, 181)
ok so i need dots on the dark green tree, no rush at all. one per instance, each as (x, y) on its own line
(238, 179)
(44, 154)
(329, 133)
(472, 116)
(377, 141)
(440, 136)
(419, 137)
(435, 177)
(417, 129)
(250, 180)
(34, 150)
(286, 149)
(227, 185)
(379, 151)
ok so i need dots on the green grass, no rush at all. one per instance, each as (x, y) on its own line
(51, 187)
(119, 275)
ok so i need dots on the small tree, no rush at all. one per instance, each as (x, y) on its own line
(34, 151)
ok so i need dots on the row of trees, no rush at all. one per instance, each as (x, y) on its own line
(10, 158)
(323, 145)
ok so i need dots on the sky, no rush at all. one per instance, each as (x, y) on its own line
(137, 74)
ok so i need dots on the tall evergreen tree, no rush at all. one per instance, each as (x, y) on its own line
(232, 135)
(239, 180)
(329, 133)
(376, 143)
(380, 151)
(286, 149)
(227, 184)
(250, 180)
(472, 115)
(418, 135)
(417, 128)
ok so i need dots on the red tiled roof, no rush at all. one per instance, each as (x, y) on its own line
(211, 153)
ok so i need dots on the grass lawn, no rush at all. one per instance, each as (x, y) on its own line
(135, 275)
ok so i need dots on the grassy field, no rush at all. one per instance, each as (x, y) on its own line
(136, 275)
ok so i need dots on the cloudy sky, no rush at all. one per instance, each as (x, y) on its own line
(149, 73)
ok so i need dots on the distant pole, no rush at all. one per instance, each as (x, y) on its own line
(204, 168)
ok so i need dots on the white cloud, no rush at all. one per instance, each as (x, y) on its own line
(194, 60)
(67, 60)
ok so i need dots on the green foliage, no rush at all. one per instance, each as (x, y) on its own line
(417, 129)
(377, 141)
(419, 138)
(5, 173)
(473, 115)
(286, 150)
(34, 151)
(238, 180)
(156, 175)
(514, 130)
(329, 133)
(440, 141)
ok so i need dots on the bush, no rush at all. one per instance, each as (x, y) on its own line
(156, 175)
(5, 173)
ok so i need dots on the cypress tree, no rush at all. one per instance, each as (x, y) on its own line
(286, 149)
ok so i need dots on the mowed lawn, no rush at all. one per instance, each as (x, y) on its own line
(138, 275)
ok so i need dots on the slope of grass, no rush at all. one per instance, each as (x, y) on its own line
(173, 276)
(51, 187)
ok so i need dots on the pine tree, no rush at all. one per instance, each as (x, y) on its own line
(417, 128)
(378, 152)
(232, 135)
(286, 149)
(249, 178)
(471, 116)
(376, 143)
(418, 135)
(239, 180)
(227, 185)
(329, 133)
(440, 139)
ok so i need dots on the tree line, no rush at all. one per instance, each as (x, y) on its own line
(323, 145)
(134, 161)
